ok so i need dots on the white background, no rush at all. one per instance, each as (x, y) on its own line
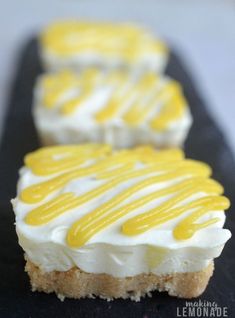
(202, 30)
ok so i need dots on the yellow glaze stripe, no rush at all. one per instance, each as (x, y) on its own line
(51, 160)
(38, 215)
(82, 230)
(120, 94)
(170, 111)
(119, 98)
(147, 98)
(102, 169)
(176, 178)
(87, 80)
(123, 41)
(56, 85)
(141, 109)
(167, 212)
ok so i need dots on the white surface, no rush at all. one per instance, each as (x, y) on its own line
(203, 30)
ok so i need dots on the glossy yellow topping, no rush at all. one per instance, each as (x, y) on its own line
(106, 40)
(177, 188)
(148, 98)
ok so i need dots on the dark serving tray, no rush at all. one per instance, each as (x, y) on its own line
(205, 142)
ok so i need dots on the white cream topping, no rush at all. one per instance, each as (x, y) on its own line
(95, 47)
(81, 125)
(110, 251)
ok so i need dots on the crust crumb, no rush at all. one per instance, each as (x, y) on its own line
(76, 283)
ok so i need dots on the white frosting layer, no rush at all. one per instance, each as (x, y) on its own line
(81, 125)
(110, 251)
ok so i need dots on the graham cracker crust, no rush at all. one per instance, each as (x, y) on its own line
(76, 283)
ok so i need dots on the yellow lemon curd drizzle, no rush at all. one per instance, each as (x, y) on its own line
(88, 81)
(126, 41)
(167, 210)
(38, 215)
(119, 97)
(122, 162)
(145, 96)
(178, 180)
(57, 85)
(38, 192)
(87, 86)
(170, 111)
(51, 160)
(140, 109)
(82, 230)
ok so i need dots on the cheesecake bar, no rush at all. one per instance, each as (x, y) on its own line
(118, 224)
(115, 107)
(80, 44)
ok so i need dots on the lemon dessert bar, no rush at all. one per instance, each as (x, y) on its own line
(115, 107)
(118, 224)
(83, 44)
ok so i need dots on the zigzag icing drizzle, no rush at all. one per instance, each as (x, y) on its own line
(144, 167)
(146, 98)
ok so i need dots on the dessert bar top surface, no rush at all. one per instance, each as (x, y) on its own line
(126, 41)
(115, 96)
(89, 193)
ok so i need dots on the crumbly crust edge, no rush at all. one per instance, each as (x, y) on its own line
(76, 283)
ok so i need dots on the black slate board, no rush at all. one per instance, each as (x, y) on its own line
(205, 142)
